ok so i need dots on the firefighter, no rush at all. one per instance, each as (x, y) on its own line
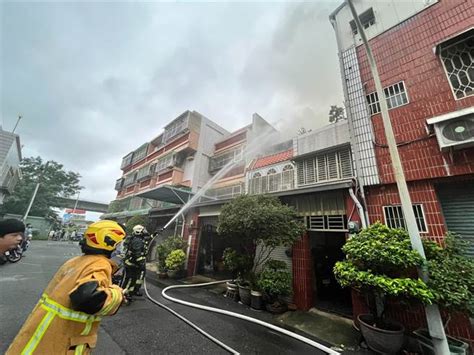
(67, 316)
(135, 261)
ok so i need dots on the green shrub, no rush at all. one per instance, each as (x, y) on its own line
(165, 248)
(175, 260)
(236, 263)
(275, 280)
(451, 275)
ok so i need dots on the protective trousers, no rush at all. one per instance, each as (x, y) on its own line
(133, 279)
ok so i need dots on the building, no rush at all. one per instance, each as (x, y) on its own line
(238, 147)
(10, 157)
(424, 51)
(160, 175)
(312, 172)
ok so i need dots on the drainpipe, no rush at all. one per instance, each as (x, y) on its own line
(359, 207)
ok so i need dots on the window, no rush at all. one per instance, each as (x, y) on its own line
(395, 95)
(325, 167)
(257, 175)
(143, 172)
(119, 184)
(271, 172)
(140, 153)
(218, 162)
(366, 18)
(458, 60)
(394, 217)
(127, 160)
(164, 163)
(175, 128)
(130, 179)
(225, 192)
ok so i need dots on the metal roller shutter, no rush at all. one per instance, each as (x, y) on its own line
(457, 202)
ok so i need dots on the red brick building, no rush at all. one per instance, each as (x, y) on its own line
(425, 55)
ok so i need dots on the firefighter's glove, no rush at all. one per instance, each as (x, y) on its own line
(88, 298)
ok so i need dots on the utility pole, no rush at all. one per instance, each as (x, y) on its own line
(40, 177)
(17, 122)
(433, 317)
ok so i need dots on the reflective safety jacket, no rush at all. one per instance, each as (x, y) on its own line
(137, 249)
(53, 326)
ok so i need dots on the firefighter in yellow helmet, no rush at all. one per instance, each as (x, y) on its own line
(67, 316)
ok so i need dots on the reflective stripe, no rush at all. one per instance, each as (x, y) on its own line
(113, 303)
(80, 349)
(66, 313)
(38, 334)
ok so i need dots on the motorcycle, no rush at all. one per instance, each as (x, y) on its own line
(14, 255)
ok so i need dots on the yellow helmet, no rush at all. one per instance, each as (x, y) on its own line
(104, 235)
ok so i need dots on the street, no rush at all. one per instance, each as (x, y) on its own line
(142, 327)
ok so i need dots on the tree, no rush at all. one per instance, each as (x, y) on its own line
(259, 221)
(133, 221)
(56, 182)
(336, 114)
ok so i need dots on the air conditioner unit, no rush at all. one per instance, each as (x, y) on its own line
(454, 130)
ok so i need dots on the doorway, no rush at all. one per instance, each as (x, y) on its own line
(326, 250)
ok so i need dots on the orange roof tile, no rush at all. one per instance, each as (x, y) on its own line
(272, 159)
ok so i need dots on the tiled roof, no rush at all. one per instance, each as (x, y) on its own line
(272, 159)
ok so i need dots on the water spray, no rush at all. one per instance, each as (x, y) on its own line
(261, 140)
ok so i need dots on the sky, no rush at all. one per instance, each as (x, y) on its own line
(95, 80)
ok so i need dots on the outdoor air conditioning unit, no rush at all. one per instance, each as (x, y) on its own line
(454, 130)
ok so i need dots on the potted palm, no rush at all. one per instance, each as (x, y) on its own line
(380, 263)
(275, 283)
(175, 263)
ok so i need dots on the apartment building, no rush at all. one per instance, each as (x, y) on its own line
(10, 157)
(160, 175)
(424, 53)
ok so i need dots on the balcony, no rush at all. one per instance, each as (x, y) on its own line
(272, 183)
(119, 184)
(8, 178)
(218, 162)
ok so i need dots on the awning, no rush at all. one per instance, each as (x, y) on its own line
(125, 213)
(168, 193)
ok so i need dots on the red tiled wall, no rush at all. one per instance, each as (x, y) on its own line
(420, 192)
(302, 281)
(405, 52)
(193, 250)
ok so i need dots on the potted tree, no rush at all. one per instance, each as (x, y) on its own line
(275, 282)
(175, 263)
(164, 249)
(380, 263)
(260, 224)
(452, 283)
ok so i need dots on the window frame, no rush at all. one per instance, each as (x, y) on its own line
(402, 217)
(373, 101)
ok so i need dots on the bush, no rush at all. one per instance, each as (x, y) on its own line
(451, 275)
(237, 264)
(165, 248)
(175, 260)
(275, 280)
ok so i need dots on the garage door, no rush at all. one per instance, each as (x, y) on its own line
(457, 202)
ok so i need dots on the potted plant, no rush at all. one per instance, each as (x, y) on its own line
(164, 249)
(260, 223)
(379, 263)
(175, 263)
(452, 282)
(275, 282)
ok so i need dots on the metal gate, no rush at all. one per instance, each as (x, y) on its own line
(457, 202)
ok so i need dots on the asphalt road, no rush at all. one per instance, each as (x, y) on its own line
(142, 327)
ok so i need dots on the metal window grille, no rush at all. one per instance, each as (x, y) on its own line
(218, 162)
(176, 128)
(458, 61)
(272, 183)
(129, 179)
(225, 192)
(140, 153)
(327, 223)
(325, 167)
(119, 184)
(395, 95)
(143, 172)
(135, 203)
(394, 217)
(164, 163)
(127, 160)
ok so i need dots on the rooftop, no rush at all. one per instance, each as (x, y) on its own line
(272, 159)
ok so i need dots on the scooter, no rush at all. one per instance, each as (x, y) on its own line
(14, 255)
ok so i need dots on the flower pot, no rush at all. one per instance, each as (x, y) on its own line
(244, 294)
(276, 307)
(232, 291)
(456, 347)
(162, 275)
(256, 300)
(176, 274)
(385, 341)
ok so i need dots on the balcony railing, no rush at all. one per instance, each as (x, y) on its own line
(223, 193)
(272, 183)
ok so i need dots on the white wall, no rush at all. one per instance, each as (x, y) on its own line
(388, 13)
